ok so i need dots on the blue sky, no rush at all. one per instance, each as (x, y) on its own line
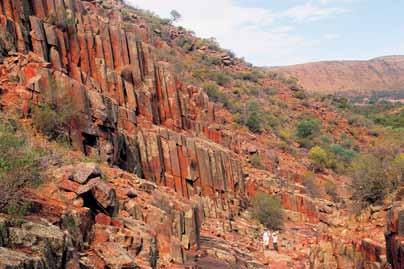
(283, 32)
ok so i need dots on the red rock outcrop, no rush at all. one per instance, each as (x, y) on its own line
(395, 237)
(131, 110)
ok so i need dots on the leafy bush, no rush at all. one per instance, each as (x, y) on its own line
(254, 122)
(307, 128)
(254, 119)
(271, 120)
(253, 76)
(342, 154)
(53, 120)
(221, 78)
(267, 210)
(215, 95)
(270, 91)
(319, 157)
(369, 180)
(299, 95)
(19, 167)
(396, 170)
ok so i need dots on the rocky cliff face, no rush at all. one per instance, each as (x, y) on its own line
(132, 110)
(394, 233)
(385, 73)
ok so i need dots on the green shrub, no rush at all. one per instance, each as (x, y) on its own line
(19, 167)
(368, 179)
(221, 78)
(54, 119)
(307, 128)
(396, 170)
(270, 91)
(318, 157)
(253, 76)
(254, 122)
(271, 120)
(267, 210)
(215, 95)
(299, 95)
(342, 154)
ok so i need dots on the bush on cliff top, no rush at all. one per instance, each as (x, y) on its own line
(267, 210)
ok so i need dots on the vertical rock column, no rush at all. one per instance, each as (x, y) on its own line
(395, 237)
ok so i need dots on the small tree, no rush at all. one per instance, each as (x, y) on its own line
(267, 210)
(396, 170)
(175, 15)
(369, 179)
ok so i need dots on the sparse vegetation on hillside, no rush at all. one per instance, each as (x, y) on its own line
(267, 210)
(379, 171)
(310, 184)
(19, 167)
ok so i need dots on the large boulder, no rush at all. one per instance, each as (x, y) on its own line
(48, 246)
(83, 172)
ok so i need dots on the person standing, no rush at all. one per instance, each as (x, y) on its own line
(275, 240)
(265, 238)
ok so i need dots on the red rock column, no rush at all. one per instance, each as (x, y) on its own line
(395, 237)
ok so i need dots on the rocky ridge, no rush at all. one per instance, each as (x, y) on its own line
(384, 73)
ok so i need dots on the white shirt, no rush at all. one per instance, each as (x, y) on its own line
(265, 237)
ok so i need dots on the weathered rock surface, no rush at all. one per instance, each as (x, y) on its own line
(394, 237)
(131, 110)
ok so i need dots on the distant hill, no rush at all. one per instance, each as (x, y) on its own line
(383, 73)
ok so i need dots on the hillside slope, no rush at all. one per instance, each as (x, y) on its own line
(384, 73)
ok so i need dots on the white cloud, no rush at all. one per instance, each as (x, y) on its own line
(261, 35)
(312, 12)
(332, 36)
